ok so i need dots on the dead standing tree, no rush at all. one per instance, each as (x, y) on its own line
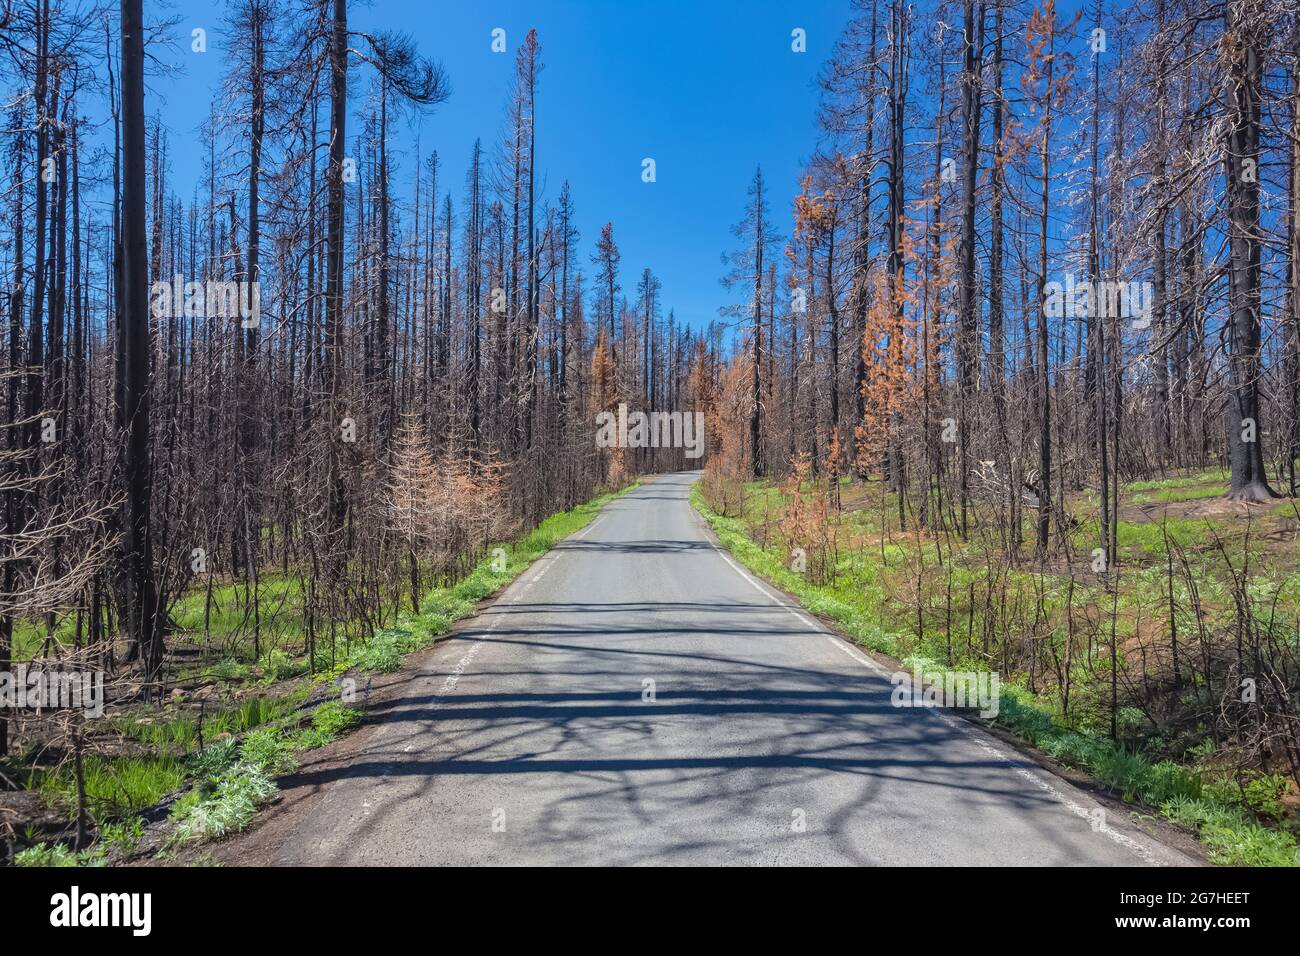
(1243, 71)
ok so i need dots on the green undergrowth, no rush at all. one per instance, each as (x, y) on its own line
(832, 602)
(1225, 815)
(115, 786)
(1222, 814)
(232, 783)
(443, 607)
(251, 742)
(181, 731)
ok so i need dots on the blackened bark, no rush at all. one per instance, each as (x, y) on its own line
(144, 615)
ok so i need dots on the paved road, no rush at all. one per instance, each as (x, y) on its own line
(526, 739)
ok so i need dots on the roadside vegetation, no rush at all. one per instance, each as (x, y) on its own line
(197, 765)
(1092, 674)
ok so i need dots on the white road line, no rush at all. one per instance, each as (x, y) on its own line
(554, 556)
(800, 615)
(970, 732)
(546, 566)
(1019, 767)
(583, 533)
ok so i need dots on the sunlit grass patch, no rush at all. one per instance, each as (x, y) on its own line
(1219, 476)
(1194, 493)
(890, 595)
(115, 786)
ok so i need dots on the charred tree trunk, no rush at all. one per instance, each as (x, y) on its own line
(1245, 429)
(143, 615)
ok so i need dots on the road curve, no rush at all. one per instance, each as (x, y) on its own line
(530, 736)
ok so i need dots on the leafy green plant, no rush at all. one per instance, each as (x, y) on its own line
(123, 835)
(230, 807)
(405, 637)
(380, 656)
(329, 720)
(1167, 781)
(309, 738)
(1263, 795)
(213, 760)
(269, 751)
(230, 670)
(1129, 721)
(56, 854)
(1122, 772)
(333, 718)
(189, 800)
(278, 665)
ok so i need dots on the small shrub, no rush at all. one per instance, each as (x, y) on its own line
(333, 718)
(380, 656)
(123, 835)
(269, 751)
(230, 669)
(1263, 795)
(1123, 772)
(438, 622)
(214, 760)
(230, 808)
(46, 855)
(1129, 720)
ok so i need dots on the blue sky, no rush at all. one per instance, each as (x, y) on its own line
(709, 90)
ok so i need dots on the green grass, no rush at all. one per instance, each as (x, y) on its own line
(1215, 476)
(223, 614)
(228, 805)
(231, 779)
(1231, 837)
(115, 787)
(444, 606)
(1150, 537)
(181, 732)
(57, 855)
(856, 601)
(1180, 494)
(229, 670)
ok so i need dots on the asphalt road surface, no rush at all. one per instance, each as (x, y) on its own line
(534, 735)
